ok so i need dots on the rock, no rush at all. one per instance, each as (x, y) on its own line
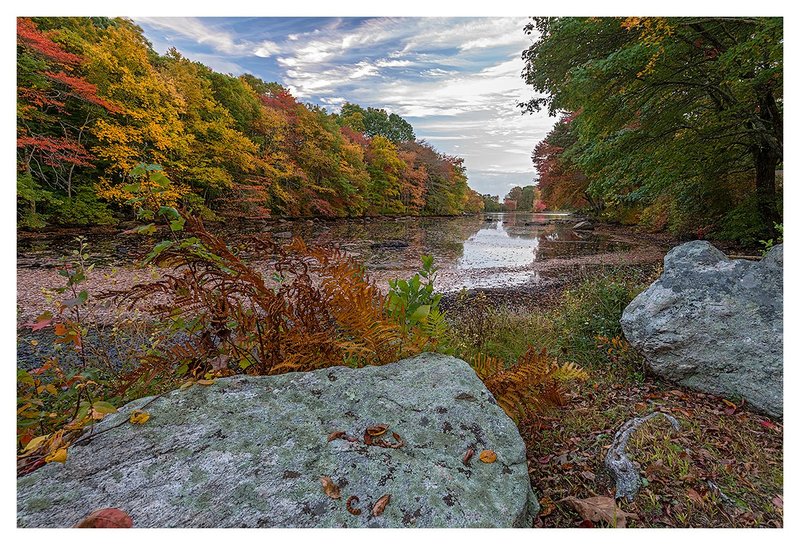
(583, 226)
(714, 324)
(250, 452)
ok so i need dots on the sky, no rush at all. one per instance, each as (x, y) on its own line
(456, 80)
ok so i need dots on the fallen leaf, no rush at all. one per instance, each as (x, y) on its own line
(380, 505)
(588, 475)
(377, 430)
(330, 488)
(336, 435)
(186, 384)
(694, 496)
(777, 501)
(488, 456)
(768, 424)
(367, 438)
(220, 362)
(546, 506)
(205, 382)
(353, 510)
(34, 443)
(599, 508)
(730, 404)
(59, 456)
(106, 518)
(139, 417)
(467, 457)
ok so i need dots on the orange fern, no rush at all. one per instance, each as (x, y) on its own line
(534, 382)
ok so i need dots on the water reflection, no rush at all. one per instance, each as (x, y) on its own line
(471, 251)
(494, 246)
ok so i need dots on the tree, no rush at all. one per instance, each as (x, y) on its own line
(376, 122)
(56, 110)
(680, 106)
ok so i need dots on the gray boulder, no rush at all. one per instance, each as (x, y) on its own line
(250, 452)
(714, 324)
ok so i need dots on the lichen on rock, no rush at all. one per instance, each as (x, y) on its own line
(250, 452)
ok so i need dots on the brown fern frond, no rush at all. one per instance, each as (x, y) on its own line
(311, 307)
(531, 384)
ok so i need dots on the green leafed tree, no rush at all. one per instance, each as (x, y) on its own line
(689, 109)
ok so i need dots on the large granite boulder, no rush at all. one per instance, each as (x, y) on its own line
(250, 452)
(714, 324)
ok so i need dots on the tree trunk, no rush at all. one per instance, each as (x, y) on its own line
(766, 161)
(768, 153)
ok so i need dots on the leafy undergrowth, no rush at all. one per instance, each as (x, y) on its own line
(723, 468)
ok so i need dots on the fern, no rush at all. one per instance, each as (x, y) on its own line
(310, 307)
(533, 383)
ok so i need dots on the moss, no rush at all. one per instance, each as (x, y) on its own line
(39, 503)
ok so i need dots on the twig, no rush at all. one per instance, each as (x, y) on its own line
(88, 438)
(626, 475)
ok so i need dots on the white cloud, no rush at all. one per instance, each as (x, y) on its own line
(457, 80)
(202, 33)
(267, 49)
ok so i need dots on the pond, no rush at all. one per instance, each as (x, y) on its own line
(486, 250)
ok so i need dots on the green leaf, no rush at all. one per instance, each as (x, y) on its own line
(148, 229)
(104, 407)
(169, 212)
(157, 250)
(421, 313)
(138, 170)
(177, 225)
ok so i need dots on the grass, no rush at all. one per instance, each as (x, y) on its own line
(724, 468)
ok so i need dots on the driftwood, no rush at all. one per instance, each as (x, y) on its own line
(625, 474)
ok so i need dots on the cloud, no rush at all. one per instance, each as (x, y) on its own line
(267, 49)
(200, 32)
(457, 80)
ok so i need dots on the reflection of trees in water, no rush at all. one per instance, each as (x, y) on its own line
(447, 237)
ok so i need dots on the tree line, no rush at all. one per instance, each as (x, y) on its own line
(94, 100)
(673, 123)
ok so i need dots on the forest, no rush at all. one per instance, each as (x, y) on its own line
(669, 123)
(95, 100)
(152, 354)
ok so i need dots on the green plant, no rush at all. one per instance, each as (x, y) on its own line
(56, 401)
(768, 244)
(412, 301)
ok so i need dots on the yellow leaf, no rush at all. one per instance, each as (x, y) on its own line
(35, 443)
(488, 456)
(205, 382)
(59, 456)
(139, 417)
(186, 384)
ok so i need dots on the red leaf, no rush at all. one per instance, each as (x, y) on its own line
(106, 518)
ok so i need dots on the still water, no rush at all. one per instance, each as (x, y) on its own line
(488, 250)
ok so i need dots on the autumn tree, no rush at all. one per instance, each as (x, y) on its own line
(56, 109)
